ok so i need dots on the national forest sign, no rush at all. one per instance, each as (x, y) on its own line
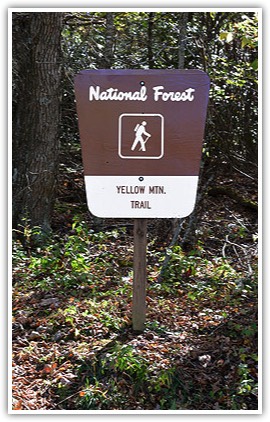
(141, 134)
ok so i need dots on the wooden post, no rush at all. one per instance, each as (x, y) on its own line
(139, 274)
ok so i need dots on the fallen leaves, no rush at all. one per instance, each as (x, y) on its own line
(201, 345)
(73, 346)
(49, 368)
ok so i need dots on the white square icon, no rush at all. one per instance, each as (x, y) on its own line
(141, 136)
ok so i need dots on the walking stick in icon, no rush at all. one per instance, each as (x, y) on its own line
(144, 143)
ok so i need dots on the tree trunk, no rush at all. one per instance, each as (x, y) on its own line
(151, 61)
(182, 28)
(107, 59)
(36, 115)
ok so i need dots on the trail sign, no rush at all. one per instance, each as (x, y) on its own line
(141, 134)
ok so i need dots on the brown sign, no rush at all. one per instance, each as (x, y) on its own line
(141, 123)
(111, 103)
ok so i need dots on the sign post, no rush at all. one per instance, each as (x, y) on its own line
(141, 134)
(139, 274)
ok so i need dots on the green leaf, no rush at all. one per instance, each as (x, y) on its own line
(244, 41)
(227, 36)
(254, 64)
(191, 296)
(223, 35)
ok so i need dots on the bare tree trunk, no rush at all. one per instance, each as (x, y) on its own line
(36, 115)
(107, 59)
(151, 62)
(182, 28)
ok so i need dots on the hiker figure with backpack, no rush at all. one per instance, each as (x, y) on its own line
(139, 133)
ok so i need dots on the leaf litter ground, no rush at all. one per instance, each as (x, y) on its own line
(73, 344)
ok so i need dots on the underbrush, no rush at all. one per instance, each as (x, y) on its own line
(74, 346)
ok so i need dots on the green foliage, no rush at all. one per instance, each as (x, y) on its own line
(247, 383)
(128, 362)
(194, 264)
(70, 262)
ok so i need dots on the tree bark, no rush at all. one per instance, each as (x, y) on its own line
(182, 27)
(151, 61)
(107, 59)
(36, 115)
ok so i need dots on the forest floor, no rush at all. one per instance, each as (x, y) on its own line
(73, 343)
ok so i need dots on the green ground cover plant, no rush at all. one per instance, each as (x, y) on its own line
(72, 304)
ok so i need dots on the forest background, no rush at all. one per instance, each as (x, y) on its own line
(73, 344)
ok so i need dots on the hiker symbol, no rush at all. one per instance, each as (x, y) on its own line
(140, 136)
(140, 132)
